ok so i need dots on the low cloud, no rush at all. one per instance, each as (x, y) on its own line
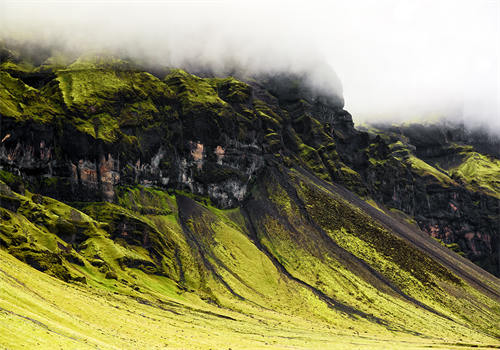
(397, 60)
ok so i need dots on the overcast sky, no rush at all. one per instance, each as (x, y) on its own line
(397, 59)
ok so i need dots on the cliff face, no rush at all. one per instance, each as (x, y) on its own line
(435, 174)
(95, 125)
(153, 186)
(76, 132)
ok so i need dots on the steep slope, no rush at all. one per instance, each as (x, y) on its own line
(177, 206)
(446, 184)
(274, 259)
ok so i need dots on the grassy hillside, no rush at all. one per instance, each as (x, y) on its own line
(163, 270)
(37, 311)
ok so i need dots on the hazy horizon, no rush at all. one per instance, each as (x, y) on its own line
(396, 60)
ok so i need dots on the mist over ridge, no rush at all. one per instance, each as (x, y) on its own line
(397, 60)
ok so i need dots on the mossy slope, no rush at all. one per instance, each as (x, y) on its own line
(295, 254)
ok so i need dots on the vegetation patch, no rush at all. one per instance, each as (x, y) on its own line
(480, 173)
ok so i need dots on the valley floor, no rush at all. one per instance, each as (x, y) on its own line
(41, 312)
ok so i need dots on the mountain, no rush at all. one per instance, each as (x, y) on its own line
(154, 208)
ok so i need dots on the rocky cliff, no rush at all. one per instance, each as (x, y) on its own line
(447, 178)
(77, 132)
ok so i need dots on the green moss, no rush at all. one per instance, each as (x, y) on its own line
(133, 241)
(452, 246)
(456, 248)
(96, 89)
(349, 171)
(115, 216)
(10, 66)
(14, 182)
(135, 114)
(21, 101)
(101, 126)
(8, 177)
(106, 97)
(205, 200)
(93, 61)
(377, 162)
(271, 119)
(192, 91)
(145, 200)
(480, 173)
(233, 90)
(397, 146)
(26, 233)
(335, 215)
(426, 170)
(374, 204)
(313, 161)
(273, 140)
(43, 260)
